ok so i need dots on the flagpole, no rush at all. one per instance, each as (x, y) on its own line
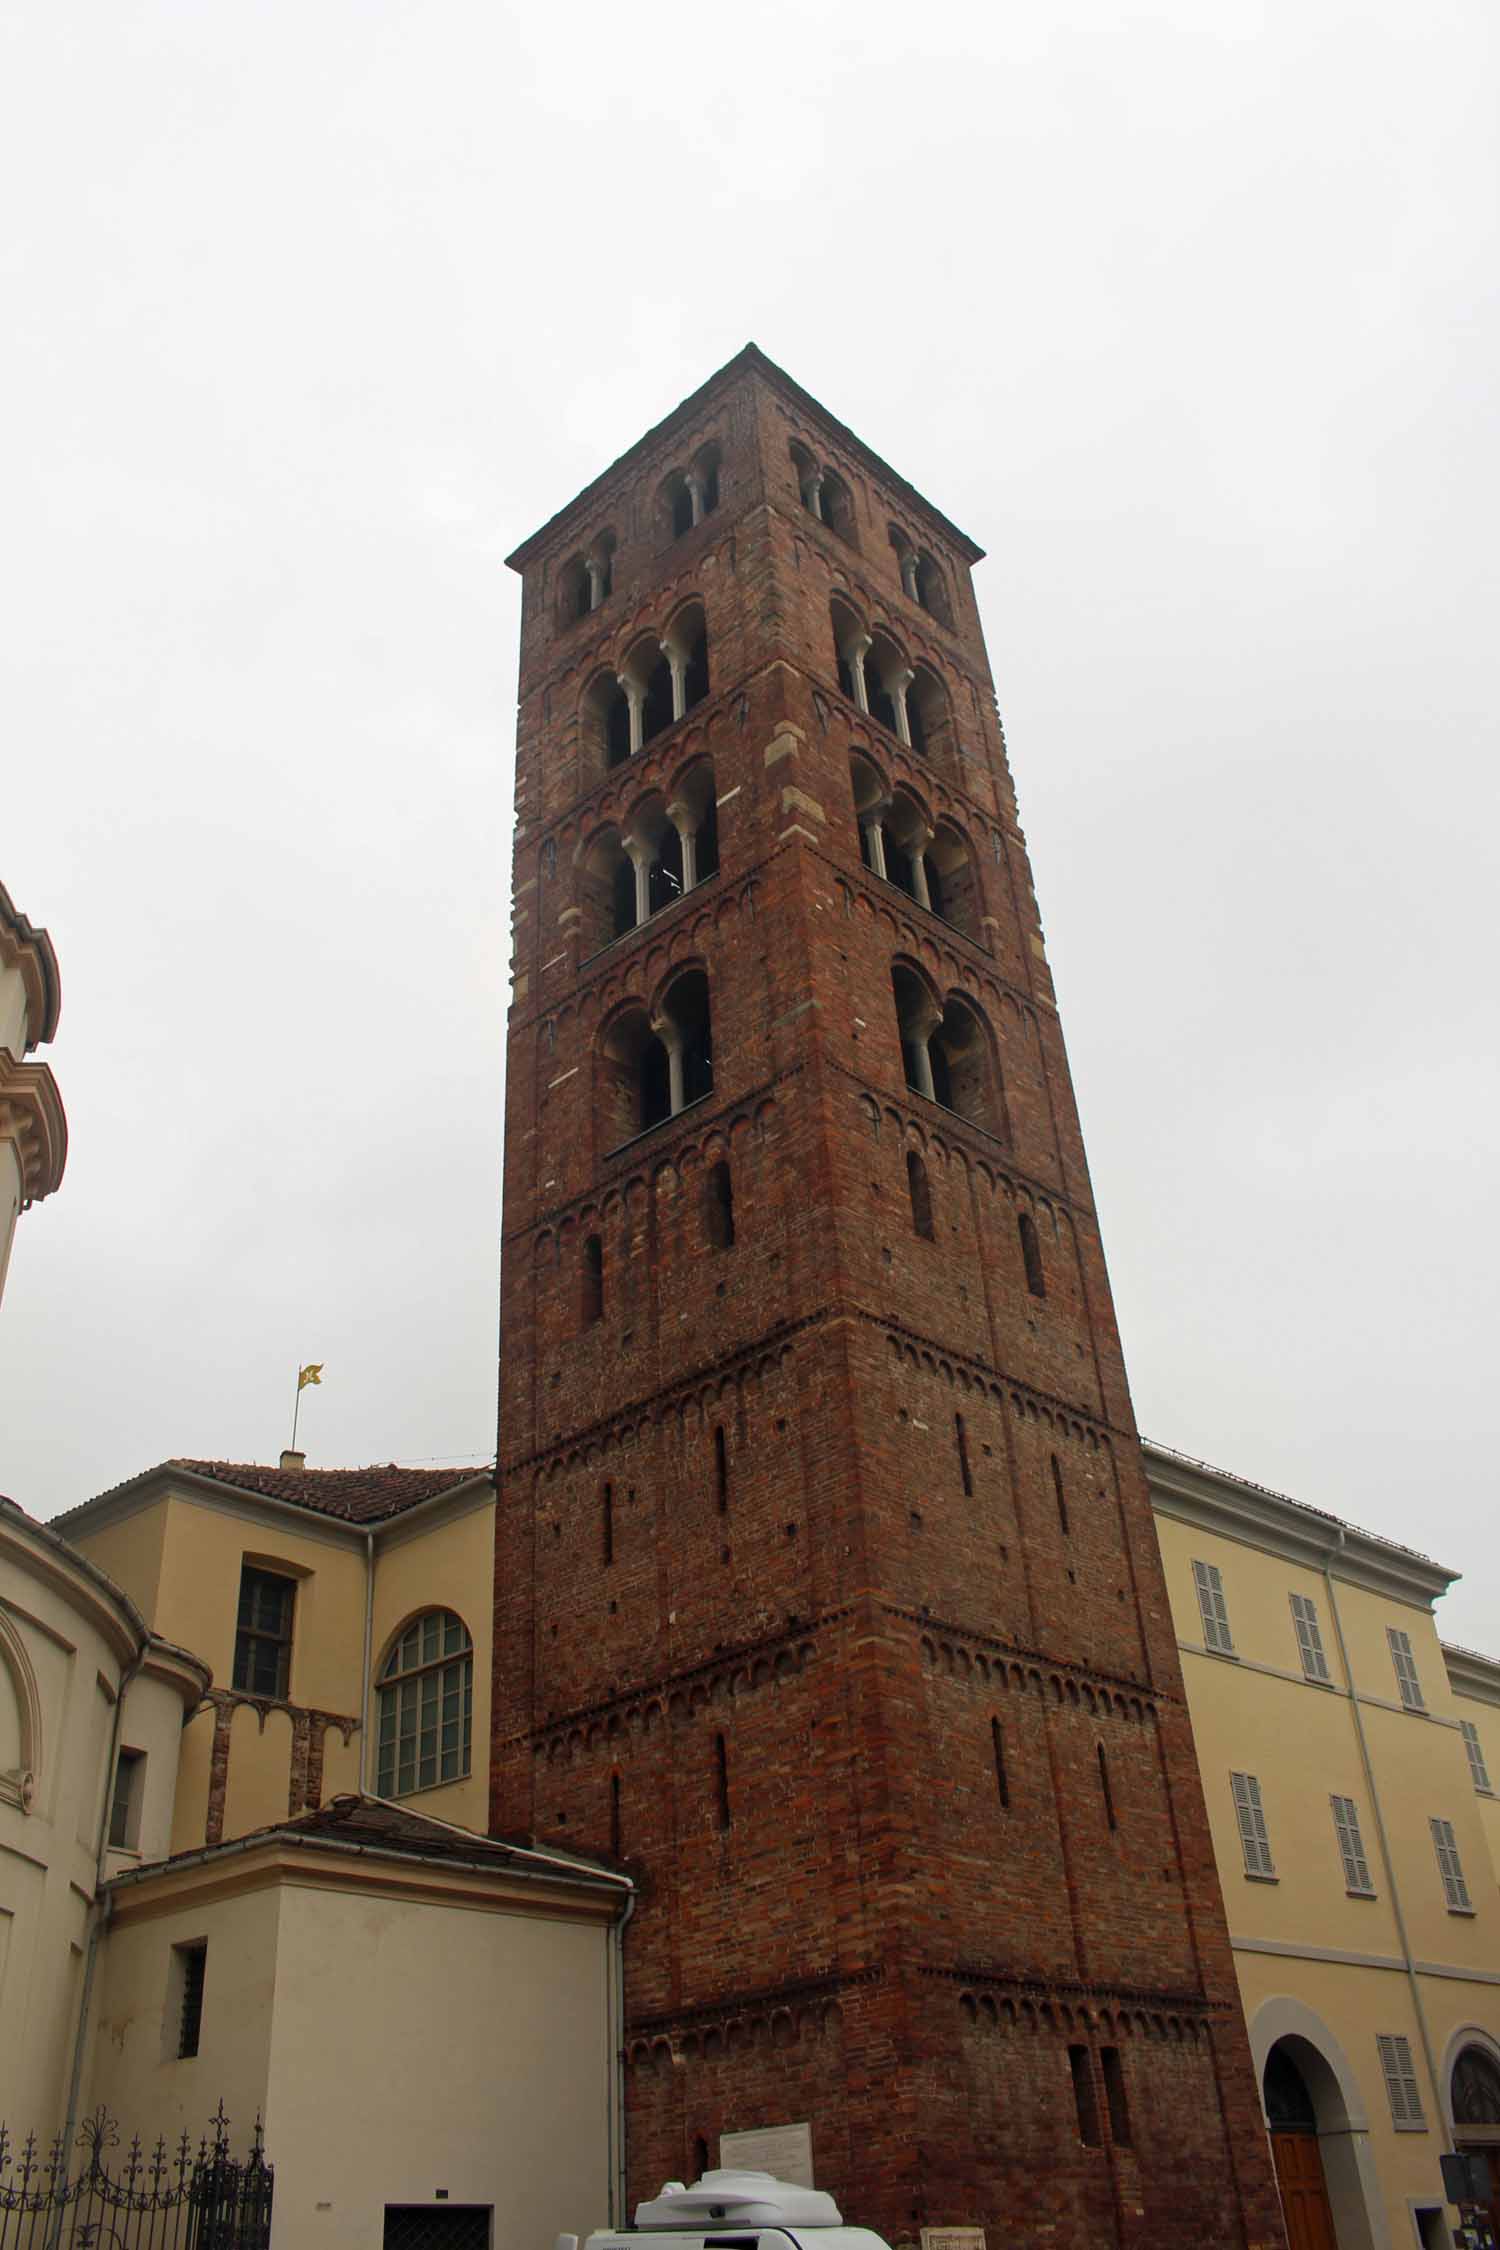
(296, 1410)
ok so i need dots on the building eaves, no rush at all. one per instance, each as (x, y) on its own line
(1238, 1508)
(356, 1498)
(1471, 1673)
(750, 358)
(20, 937)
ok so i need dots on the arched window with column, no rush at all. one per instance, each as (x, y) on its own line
(606, 891)
(887, 676)
(929, 716)
(425, 1703)
(850, 643)
(651, 1067)
(932, 590)
(966, 1077)
(918, 1014)
(953, 881)
(608, 723)
(871, 793)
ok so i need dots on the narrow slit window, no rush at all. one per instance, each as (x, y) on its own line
(607, 1523)
(1002, 1779)
(593, 1280)
(720, 1207)
(1455, 1889)
(1309, 1638)
(1352, 1847)
(961, 1440)
(920, 1191)
(1062, 1498)
(263, 1633)
(1031, 1254)
(1406, 1669)
(1255, 1838)
(700, 2156)
(1478, 1770)
(721, 1780)
(1401, 2088)
(125, 1804)
(1084, 2098)
(721, 1468)
(192, 1964)
(1213, 1608)
(1114, 2096)
(1104, 1786)
(616, 1825)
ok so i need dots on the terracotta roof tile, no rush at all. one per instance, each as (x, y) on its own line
(355, 1495)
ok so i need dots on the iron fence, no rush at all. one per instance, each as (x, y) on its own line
(183, 2198)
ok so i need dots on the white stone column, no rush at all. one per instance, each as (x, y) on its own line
(596, 582)
(923, 1032)
(682, 820)
(812, 495)
(909, 575)
(697, 493)
(921, 838)
(854, 657)
(678, 663)
(671, 1038)
(874, 828)
(638, 852)
(896, 687)
(635, 697)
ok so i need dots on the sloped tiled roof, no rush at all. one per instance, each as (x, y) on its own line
(374, 1824)
(355, 1496)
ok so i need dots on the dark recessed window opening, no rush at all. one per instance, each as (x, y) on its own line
(721, 1468)
(1084, 2098)
(607, 1523)
(1031, 1254)
(592, 1281)
(961, 1439)
(720, 1207)
(1114, 2096)
(921, 1195)
(1105, 1789)
(192, 1961)
(721, 1779)
(1062, 1502)
(124, 1809)
(616, 1823)
(263, 1636)
(1002, 1780)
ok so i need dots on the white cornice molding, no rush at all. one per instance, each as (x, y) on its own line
(32, 1119)
(28, 950)
(1214, 1500)
(1471, 1674)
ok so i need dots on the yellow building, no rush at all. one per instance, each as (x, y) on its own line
(346, 1616)
(1346, 1759)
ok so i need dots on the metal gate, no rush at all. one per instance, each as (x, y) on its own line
(186, 2198)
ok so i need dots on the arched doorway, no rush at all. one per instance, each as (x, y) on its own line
(1293, 2120)
(1474, 2093)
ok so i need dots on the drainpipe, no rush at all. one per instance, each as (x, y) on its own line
(1385, 1849)
(364, 1678)
(619, 2185)
(99, 1907)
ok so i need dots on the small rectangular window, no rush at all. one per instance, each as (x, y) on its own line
(191, 1963)
(263, 1637)
(1400, 2078)
(125, 1804)
(1455, 1889)
(1351, 1846)
(1083, 2097)
(1309, 1638)
(1479, 1771)
(1406, 1669)
(1114, 2096)
(1212, 1608)
(1250, 1814)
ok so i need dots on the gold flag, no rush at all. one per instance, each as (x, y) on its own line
(310, 1374)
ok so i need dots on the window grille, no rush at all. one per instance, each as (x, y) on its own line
(1406, 1669)
(1309, 1638)
(1213, 1608)
(426, 1705)
(1455, 1889)
(1400, 2078)
(1250, 1814)
(1351, 1845)
(194, 1961)
(1477, 1767)
(263, 1635)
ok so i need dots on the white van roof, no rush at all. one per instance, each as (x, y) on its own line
(742, 2199)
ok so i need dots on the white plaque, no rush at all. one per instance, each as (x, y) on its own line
(783, 2150)
(952, 2238)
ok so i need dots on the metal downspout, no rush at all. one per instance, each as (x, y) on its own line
(364, 1683)
(618, 2186)
(1385, 1849)
(99, 1907)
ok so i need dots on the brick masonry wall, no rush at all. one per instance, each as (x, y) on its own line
(885, 1716)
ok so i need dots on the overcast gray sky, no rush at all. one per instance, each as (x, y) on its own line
(1187, 312)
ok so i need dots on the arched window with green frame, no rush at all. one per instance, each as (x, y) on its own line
(425, 1706)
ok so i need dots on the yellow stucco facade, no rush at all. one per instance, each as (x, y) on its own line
(181, 1540)
(1366, 1940)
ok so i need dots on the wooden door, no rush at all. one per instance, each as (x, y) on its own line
(1304, 2192)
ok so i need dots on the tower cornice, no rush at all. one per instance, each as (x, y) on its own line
(33, 1121)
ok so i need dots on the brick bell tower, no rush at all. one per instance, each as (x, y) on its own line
(827, 1593)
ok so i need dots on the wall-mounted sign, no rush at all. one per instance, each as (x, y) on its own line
(952, 2238)
(783, 2150)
